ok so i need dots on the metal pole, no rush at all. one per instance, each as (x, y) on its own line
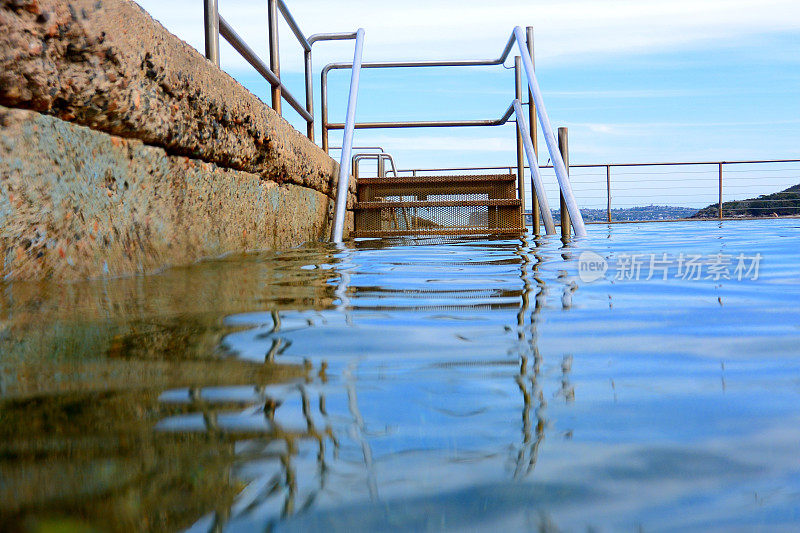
(342, 188)
(381, 167)
(520, 148)
(720, 191)
(251, 57)
(309, 96)
(211, 24)
(563, 148)
(274, 52)
(608, 191)
(549, 137)
(547, 217)
(534, 134)
(323, 96)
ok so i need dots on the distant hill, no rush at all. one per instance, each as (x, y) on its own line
(786, 202)
(647, 212)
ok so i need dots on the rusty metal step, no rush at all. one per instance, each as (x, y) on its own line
(436, 232)
(443, 217)
(442, 203)
(475, 187)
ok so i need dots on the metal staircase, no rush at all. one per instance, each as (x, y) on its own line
(442, 205)
(435, 205)
(438, 205)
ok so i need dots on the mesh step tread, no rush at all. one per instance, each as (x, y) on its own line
(420, 180)
(438, 231)
(514, 202)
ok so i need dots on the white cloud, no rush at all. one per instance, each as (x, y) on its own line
(571, 30)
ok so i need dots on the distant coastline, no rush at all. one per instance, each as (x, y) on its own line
(783, 203)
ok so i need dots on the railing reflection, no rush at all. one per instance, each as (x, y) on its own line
(294, 454)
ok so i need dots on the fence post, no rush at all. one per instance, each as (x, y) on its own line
(532, 121)
(309, 96)
(720, 191)
(274, 52)
(563, 147)
(608, 192)
(211, 25)
(520, 148)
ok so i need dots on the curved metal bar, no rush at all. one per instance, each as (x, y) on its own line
(517, 36)
(240, 46)
(391, 160)
(429, 124)
(293, 26)
(343, 186)
(432, 63)
(538, 186)
(331, 37)
(552, 145)
(358, 157)
(379, 148)
(309, 81)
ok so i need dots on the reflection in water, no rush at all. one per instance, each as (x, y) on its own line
(422, 385)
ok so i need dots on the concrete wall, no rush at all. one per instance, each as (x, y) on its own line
(123, 150)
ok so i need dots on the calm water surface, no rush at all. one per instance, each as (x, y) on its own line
(467, 385)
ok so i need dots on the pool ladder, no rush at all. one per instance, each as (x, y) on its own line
(462, 204)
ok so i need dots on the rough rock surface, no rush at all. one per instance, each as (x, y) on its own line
(76, 203)
(108, 65)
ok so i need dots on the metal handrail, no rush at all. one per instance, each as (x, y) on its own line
(357, 158)
(251, 57)
(379, 148)
(538, 186)
(552, 145)
(527, 62)
(215, 26)
(343, 186)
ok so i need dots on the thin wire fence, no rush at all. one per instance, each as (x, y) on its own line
(669, 191)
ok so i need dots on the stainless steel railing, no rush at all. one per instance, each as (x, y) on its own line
(525, 139)
(215, 26)
(343, 185)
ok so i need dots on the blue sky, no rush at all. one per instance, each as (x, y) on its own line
(634, 82)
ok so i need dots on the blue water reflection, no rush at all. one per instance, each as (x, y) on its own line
(482, 385)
